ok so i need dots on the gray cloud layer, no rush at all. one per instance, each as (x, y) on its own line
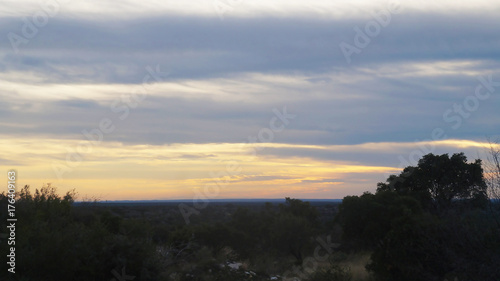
(380, 100)
(195, 47)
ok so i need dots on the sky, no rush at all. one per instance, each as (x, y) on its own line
(241, 99)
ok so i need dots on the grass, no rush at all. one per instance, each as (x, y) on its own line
(357, 262)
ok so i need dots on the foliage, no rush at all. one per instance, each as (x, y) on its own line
(54, 243)
(366, 219)
(493, 170)
(428, 223)
(440, 181)
(332, 273)
(426, 247)
(281, 232)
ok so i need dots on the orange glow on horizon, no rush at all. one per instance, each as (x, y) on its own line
(117, 171)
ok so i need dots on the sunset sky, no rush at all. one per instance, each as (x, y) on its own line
(242, 98)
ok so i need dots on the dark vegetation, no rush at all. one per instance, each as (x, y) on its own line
(433, 221)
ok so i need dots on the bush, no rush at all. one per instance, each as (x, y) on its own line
(333, 273)
(55, 243)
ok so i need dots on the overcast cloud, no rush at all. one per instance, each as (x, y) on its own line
(225, 77)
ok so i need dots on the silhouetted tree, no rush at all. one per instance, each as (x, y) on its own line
(54, 242)
(493, 170)
(366, 220)
(440, 180)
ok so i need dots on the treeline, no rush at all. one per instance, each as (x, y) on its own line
(431, 222)
(58, 240)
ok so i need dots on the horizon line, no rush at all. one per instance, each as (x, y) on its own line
(210, 200)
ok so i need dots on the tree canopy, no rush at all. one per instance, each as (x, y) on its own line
(427, 223)
(440, 180)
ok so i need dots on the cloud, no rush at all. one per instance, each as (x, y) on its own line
(261, 178)
(322, 181)
(226, 78)
(342, 110)
(196, 47)
(391, 154)
(196, 156)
